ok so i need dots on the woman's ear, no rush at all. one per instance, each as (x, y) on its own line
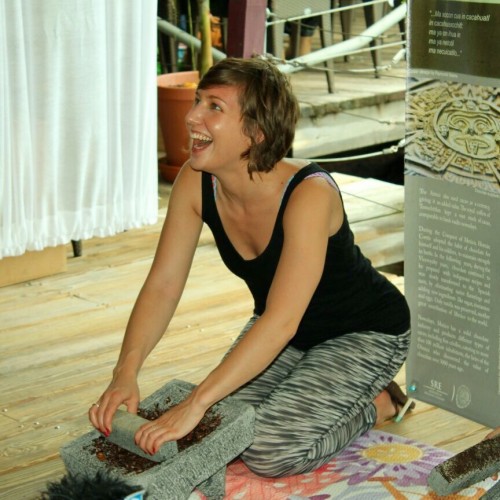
(259, 136)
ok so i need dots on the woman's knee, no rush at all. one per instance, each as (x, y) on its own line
(277, 456)
(270, 464)
(278, 452)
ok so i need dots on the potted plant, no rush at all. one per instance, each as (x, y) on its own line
(176, 92)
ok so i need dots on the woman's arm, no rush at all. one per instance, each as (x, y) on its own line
(158, 298)
(313, 213)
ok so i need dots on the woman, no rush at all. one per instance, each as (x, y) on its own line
(328, 332)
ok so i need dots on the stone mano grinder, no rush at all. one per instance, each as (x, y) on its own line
(177, 474)
(125, 425)
(467, 468)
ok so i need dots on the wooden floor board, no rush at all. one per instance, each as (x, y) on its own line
(61, 336)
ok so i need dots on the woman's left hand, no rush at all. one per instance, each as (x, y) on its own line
(171, 426)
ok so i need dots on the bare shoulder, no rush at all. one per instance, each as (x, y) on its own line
(319, 184)
(186, 190)
(316, 195)
(316, 190)
(295, 163)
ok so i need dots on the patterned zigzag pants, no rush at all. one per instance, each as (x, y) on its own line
(311, 405)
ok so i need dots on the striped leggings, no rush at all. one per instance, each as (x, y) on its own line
(311, 405)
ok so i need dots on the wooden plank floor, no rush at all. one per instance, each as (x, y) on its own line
(61, 334)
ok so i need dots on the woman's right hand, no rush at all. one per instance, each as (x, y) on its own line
(122, 390)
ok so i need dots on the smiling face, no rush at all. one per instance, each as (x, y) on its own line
(267, 109)
(215, 128)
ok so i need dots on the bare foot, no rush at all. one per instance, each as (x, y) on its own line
(384, 406)
(493, 433)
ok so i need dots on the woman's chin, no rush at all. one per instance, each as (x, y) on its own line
(197, 163)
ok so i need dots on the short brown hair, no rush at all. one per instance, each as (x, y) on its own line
(268, 106)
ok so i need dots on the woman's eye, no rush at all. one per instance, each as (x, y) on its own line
(216, 107)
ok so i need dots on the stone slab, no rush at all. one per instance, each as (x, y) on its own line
(466, 468)
(202, 466)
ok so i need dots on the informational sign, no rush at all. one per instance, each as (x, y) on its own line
(452, 206)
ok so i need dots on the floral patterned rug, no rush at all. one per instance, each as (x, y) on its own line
(377, 466)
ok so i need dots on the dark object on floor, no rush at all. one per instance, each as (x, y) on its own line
(77, 248)
(466, 468)
(99, 487)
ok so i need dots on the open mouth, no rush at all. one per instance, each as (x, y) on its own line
(199, 141)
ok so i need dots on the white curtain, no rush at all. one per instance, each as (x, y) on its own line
(78, 120)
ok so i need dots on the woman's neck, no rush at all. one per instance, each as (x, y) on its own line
(239, 188)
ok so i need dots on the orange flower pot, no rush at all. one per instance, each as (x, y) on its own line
(176, 92)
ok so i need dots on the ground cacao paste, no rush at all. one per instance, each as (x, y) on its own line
(130, 463)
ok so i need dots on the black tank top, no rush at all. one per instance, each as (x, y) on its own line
(351, 295)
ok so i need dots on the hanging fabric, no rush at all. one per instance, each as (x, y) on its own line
(78, 120)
